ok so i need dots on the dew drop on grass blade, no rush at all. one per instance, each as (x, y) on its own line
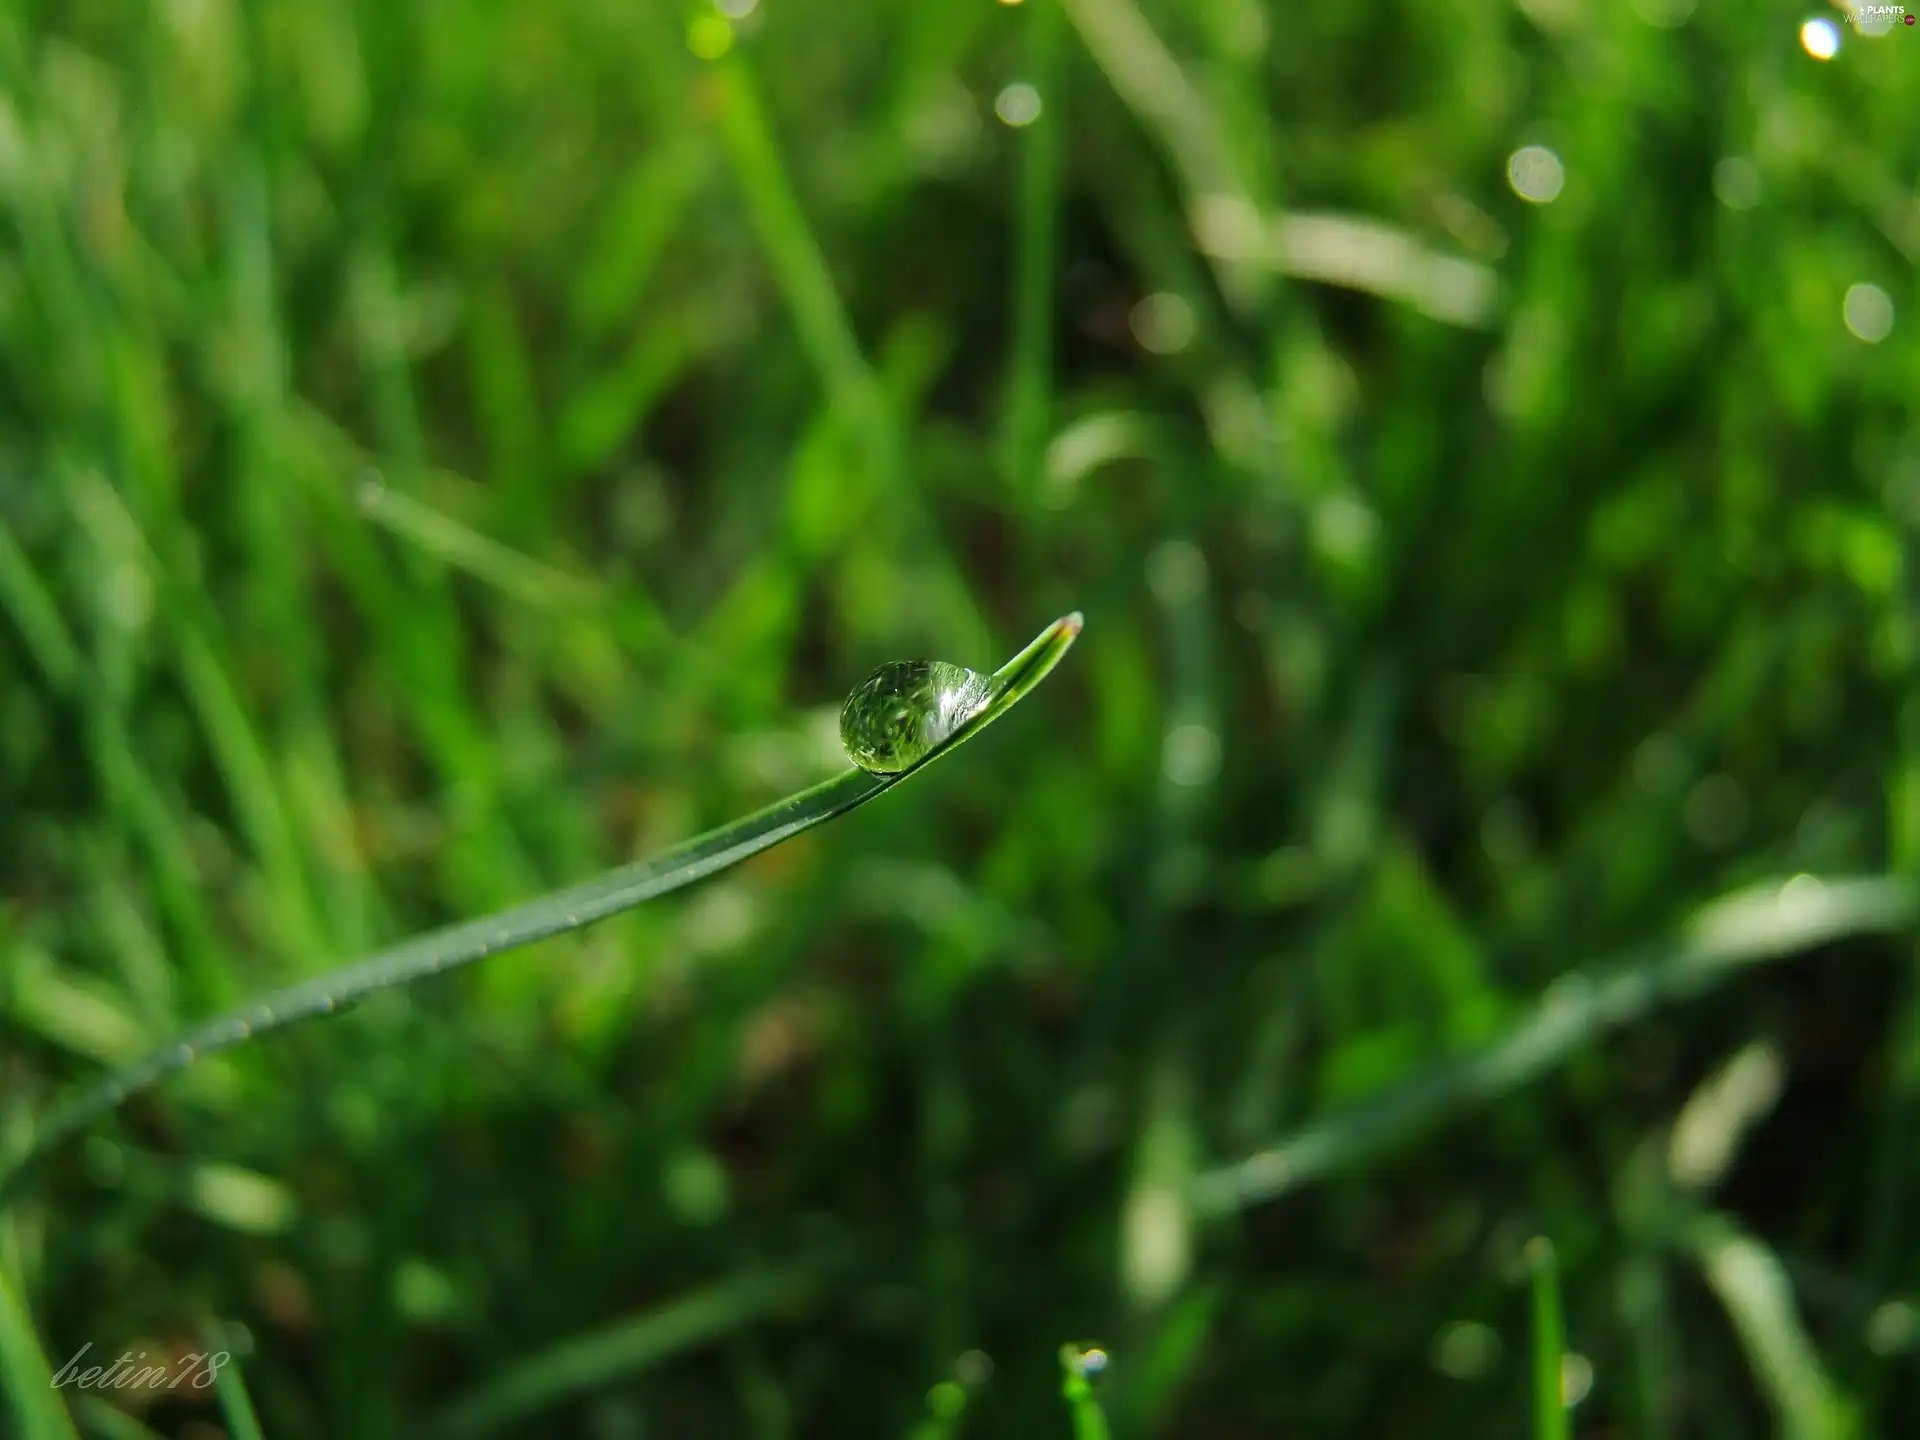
(901, 718)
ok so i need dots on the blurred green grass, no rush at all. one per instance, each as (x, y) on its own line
(446, 450)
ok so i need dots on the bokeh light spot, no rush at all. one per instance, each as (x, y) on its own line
(710, 36)
(1576, 1378)
(1891, 1328)
(1466, 1350)
(1736, 183)
(1872, 19)
(1820, 38)
(1162, 323)
(1868, 311)
(1191, 755)
(1018, 104)
(1536, 174)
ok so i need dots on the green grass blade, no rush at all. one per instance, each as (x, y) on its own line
(1753, 1286)
(1549, 1344)
(1076, 1366)
(821, 321)
(36, 614)
(1036, 247)
(25, 1377)
(236, 1405)
(591, 1361)
(1152, 84)
(552, 914)
(460, 546)
(1767, 922)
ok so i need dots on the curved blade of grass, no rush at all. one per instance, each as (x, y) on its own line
(626, 1348)
(552, 914)
(1728, 936)
(1753, 1286)
(236, 1405)
(27, 1384)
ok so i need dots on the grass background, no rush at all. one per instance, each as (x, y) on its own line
(449, 448)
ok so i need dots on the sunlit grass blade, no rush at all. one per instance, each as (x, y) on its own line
(1767, 922)
(459, 545)
(1549, 1344)
(552, 914)
(589, 1362)
(1753, 1286)
(1152, 84)
(25, 1377)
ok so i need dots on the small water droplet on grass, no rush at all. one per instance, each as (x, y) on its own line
(907, 709)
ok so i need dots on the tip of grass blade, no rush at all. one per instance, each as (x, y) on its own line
(1010, 684)
(552, 914)
(1042, 652)
(1077, 1365)
(243, 1422)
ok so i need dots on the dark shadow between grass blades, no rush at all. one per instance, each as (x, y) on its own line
(550, 915)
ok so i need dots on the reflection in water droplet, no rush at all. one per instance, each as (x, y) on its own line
(907, 708)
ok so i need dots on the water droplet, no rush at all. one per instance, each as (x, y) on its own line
(906, 709)
(1091, 1361)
